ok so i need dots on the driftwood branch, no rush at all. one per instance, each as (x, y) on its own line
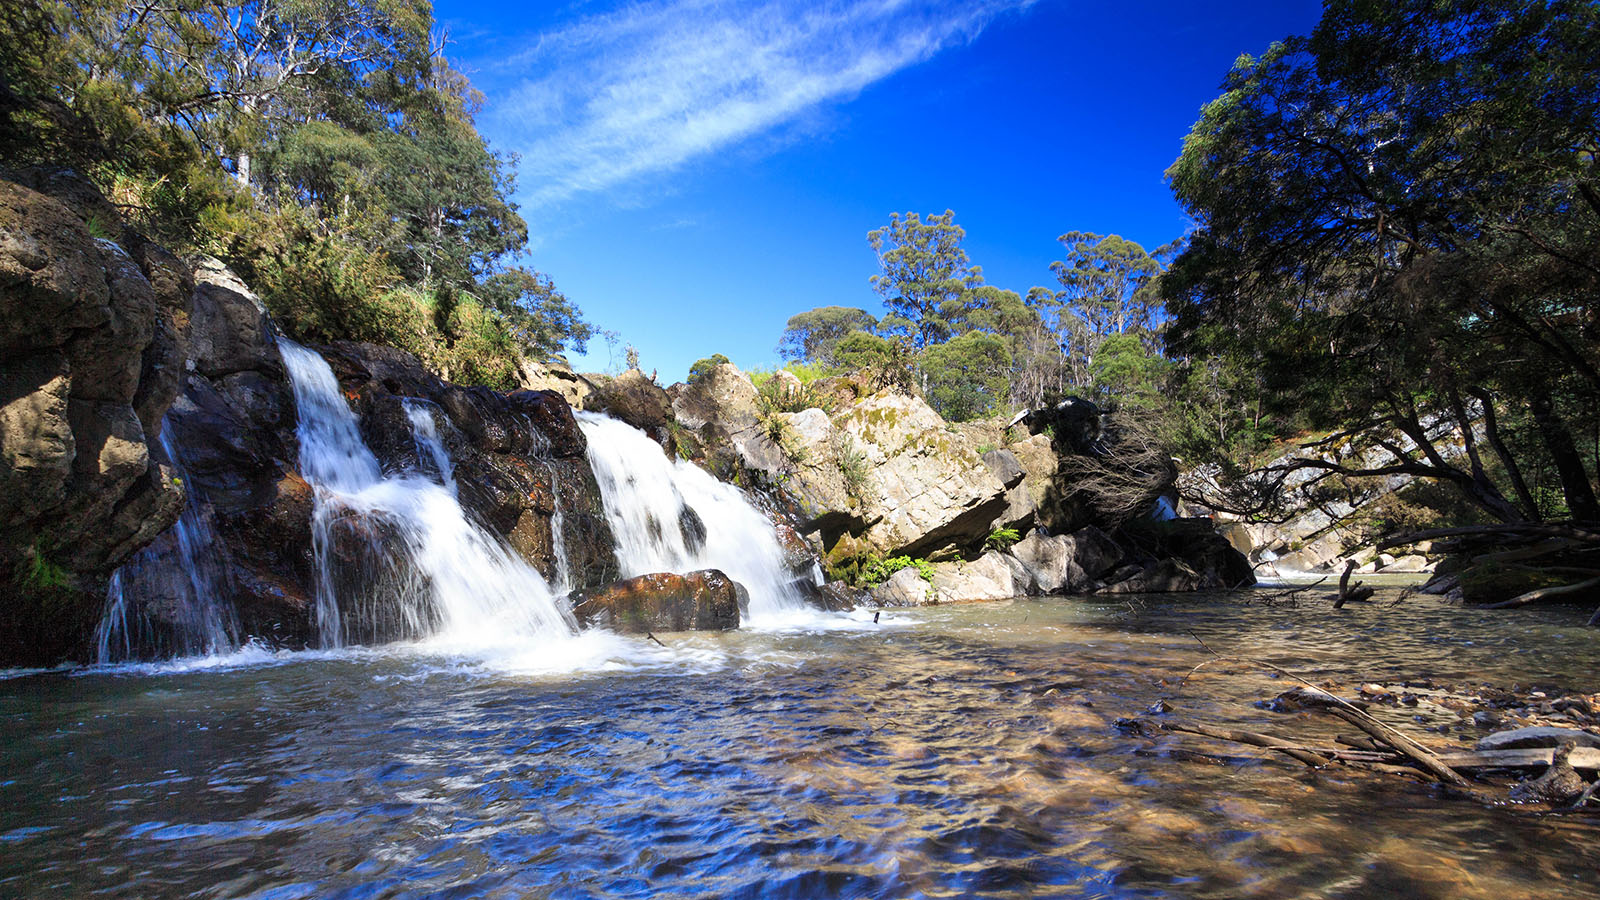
(1545, 593)
(1265, 741)
(1382, 733)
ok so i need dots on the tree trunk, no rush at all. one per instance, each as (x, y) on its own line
(1575, 484)
(1491, 432)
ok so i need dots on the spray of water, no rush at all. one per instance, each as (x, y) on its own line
(672, 516)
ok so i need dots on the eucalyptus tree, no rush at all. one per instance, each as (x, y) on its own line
(1105, 291)
(1398, 222)
(926, 276)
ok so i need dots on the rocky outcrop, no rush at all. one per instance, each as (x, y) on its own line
(634, 398)
(91, 344)
(1320, 522)
(720, 425)
(707, 600)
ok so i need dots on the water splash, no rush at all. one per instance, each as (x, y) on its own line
(672, 516)
(172, 598)
(398, 558)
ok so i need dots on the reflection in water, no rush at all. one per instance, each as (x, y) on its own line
(955, 751)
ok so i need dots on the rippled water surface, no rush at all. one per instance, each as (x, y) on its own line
(954, 751)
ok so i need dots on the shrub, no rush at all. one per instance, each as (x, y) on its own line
(878, 570)
(703, 367)
(1001, 538)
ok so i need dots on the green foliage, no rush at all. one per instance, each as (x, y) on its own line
(925, 275)
(807, 372)
(325, 150)
(965, 378)
(984, 448)
(481, 347)
(853, 465)
(703, 367)
(1001, 538)
(540, 317)
(812, 335)
(886, 361)
(775, 395)
(39, 573)
(877, 570)
(1127, 371)
(1393, 213)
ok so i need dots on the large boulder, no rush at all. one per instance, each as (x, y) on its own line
(707, 600)
(992, 576)
(90, 339)
(1051, 563)
(634, 398)
(924, 491)
(906, 587)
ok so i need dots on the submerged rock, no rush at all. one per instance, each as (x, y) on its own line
(1537, 736)
(707, 600)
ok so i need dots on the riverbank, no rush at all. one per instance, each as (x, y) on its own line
(953, 749)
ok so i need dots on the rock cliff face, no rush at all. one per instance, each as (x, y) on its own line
(92, 325)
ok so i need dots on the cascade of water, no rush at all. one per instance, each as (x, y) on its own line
(672, 516)
(397, 556)
(171, 598)
(429, 445)
(558, 536)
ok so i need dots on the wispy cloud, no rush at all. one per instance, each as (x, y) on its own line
(617, 96)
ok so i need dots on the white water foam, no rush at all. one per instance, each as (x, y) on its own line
(645, 495)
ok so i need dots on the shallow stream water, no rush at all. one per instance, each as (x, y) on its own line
(952, 751)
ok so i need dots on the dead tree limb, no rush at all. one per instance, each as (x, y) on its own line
(1543, 594)
(1265, 741)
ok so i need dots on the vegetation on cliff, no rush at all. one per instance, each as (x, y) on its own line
(326, 151)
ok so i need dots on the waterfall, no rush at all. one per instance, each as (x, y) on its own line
(430, 448)
(172, 597)
(397, 557)
(672, 516)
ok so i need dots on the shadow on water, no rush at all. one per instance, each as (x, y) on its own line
(955, 751)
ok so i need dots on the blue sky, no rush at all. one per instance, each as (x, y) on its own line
(695, 172)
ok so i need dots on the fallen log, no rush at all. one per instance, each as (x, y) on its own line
(1544, 593)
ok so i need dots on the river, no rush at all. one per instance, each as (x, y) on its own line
(965, 750)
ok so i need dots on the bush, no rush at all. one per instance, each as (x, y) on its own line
(1001, 538)
(887, 363)
(878, 570)
(703, 367)
(773, 395)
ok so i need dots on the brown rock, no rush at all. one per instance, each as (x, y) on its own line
(707, 600)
